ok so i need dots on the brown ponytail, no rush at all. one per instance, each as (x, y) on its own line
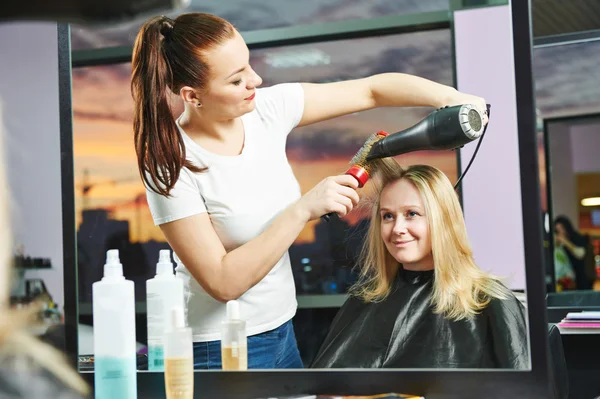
(168, 55)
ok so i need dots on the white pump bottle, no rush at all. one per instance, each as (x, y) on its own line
(113, 304)
(163, 292)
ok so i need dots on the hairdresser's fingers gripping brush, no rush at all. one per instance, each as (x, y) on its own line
(360, 169)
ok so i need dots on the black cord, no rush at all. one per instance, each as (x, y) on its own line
(476, 149)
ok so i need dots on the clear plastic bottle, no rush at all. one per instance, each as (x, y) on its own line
(234, 344)
(113, 304)
(179, 357)
(163, 292)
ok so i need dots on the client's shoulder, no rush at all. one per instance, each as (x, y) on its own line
(511, 305)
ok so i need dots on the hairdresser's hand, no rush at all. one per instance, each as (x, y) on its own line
(333, 194)
(458, 98)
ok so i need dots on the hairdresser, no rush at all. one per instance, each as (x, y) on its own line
(218, 181)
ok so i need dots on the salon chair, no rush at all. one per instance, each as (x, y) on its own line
(559, 377)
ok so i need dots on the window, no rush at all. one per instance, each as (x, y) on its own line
(249, 15)
(110, 200)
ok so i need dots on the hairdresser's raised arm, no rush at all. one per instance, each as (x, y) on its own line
(329, 100)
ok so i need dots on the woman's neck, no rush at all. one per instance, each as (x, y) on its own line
(219, 137)
(421, 266)
(417, 268)
(200, 128)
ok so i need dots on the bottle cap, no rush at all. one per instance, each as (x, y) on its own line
(177, 318)
(113, 266)
(233, 310)
(164, 265)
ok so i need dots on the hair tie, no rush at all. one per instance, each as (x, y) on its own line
(166, 28)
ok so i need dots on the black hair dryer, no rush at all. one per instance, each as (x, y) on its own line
(444, 129)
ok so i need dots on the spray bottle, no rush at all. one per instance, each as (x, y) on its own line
(113, 303)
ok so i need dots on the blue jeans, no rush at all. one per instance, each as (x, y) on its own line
(275, 349)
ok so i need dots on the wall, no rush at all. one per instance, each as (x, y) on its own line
(585, 147)
(29, 93)
(492, 187)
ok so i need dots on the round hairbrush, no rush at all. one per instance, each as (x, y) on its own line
(360, 168)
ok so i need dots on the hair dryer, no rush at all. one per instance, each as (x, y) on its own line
(444, 129)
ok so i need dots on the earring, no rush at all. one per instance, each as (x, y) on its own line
(198, 105)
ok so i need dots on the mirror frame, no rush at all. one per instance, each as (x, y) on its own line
(431, 383)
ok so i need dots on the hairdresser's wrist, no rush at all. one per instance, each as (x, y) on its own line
(299, 212)
(447, 96)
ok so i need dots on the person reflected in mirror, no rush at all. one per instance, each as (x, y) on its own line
(421, 300)
(578, 249)
(218, 179)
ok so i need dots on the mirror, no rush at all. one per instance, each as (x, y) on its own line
(112, 210)
(574, 180)
(569, 137)
(568, 103)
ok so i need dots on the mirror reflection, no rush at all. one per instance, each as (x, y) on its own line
(235, 240)
(569, 135)
(574, 184)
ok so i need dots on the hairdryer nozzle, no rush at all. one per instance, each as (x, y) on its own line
(471, 121)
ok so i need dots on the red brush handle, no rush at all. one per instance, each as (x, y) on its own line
(359, 174)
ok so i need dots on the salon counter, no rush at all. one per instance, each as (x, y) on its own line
(150, 385)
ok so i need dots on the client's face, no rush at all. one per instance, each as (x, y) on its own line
(404, 226)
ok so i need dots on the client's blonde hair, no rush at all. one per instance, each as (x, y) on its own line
(14, 339)
(460, 288)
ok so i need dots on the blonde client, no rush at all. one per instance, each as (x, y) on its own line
(421, 301)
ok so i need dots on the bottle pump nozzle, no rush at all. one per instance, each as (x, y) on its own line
(164, 265)
(233, 310)
(177, 318)
(113, 266)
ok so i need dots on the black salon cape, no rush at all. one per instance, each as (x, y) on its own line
(403, 332)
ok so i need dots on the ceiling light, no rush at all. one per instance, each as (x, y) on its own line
(591, 201)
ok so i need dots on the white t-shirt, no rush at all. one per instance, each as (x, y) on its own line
(242, 194)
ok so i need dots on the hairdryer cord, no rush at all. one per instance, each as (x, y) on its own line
(476, 149)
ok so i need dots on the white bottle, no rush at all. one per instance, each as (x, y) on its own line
(179, 357)
(163, 292)
(113, 301)
(234, 344)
